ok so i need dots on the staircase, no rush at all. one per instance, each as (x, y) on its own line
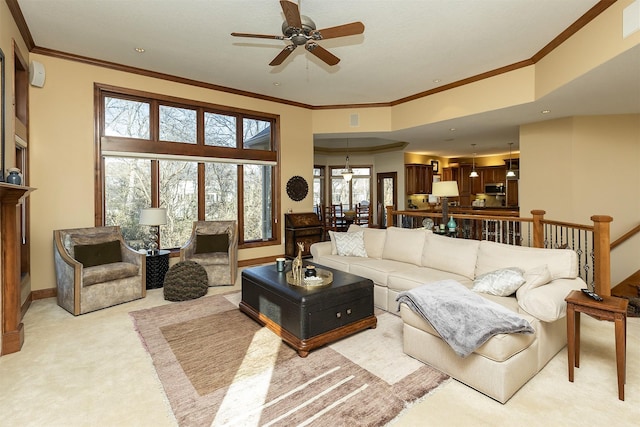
(629, 288)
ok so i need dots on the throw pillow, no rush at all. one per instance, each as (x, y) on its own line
(207, 243)
(503, 282)
(98, 254)
(350, 244)
(534, 278)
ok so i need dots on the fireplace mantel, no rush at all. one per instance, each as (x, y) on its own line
(11, 316)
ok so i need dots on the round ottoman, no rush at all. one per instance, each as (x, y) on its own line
(184, 281)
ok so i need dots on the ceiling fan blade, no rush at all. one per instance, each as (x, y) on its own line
(284, 53)
(291, 13)
(322, 53)
(339, 31)
(258, 36)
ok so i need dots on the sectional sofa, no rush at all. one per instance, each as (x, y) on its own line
(398, 260)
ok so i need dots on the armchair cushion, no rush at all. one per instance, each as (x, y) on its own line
(98, 254)
(108, 272)
(212, 258)
(208, 243)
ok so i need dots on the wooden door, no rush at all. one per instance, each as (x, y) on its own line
(386, 195)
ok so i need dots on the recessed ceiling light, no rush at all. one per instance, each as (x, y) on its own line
(276, 83)
(452, 129)
(437, 80)
(139, 49)
(545, 111)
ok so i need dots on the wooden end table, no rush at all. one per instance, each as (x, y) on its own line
(611, 309)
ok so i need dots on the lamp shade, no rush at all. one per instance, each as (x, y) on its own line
(445, 189)
(153, 216)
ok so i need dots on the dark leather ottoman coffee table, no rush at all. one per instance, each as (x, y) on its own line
(308, 317)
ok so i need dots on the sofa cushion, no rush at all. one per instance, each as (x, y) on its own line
(409, 278)
(108, 272)
(448, 254)
(211, 243)
(377, 270)
(374, 239)
(349, 244)
(562, 263)
(534, 278)
(503, 282)
(98, 253)
(404, 244)
(338, 262)
(499, 348)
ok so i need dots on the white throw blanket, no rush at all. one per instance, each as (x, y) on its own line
(462, 318)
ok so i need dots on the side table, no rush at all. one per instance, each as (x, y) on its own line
(611, 309)
(157, 267)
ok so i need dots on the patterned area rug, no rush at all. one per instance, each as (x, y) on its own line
(218, 367)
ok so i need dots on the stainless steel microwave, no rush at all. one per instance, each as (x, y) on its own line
(496, 188)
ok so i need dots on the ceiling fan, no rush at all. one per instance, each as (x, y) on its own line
(301, 30)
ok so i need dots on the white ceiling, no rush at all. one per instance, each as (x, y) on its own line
(406, 45)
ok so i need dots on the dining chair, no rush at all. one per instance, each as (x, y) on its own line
(329, 220)
(363, 215)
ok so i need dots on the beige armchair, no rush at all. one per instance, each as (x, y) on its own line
(214, 245)
(96, 269)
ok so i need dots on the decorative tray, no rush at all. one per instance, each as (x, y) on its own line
(323, 278)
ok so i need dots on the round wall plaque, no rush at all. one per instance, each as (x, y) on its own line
(297, 188)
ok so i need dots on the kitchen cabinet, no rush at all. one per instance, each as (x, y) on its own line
(418, 178)
(512, 193)
(493, 174)
(477, 183)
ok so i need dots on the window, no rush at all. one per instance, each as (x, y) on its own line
(183, 155)
(318, 186)
(349, 194)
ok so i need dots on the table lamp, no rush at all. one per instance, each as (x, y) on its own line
(445, 189)
(153, 217)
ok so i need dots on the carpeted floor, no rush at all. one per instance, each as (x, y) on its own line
(219, 367)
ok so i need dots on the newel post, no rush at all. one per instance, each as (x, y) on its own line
(538, 228)
(602, 254)
(390, 217)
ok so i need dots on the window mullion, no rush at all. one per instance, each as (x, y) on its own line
(155, 183)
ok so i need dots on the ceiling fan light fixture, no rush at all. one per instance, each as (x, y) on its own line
(301, 30)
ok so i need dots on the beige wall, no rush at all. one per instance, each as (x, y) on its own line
(62, 150)
(577, 167)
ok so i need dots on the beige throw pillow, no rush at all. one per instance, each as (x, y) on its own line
(534, 278)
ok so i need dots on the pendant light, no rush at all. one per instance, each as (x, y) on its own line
(347, 172)
(473, 173)
(510, 173)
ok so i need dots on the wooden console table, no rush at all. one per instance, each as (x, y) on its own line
(12, 327)
(611, 309)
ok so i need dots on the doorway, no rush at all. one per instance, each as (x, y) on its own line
(387, 195)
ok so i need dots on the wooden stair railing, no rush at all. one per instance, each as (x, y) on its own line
(626, 236)
(593, 242)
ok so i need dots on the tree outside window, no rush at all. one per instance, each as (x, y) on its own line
(193, 166)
